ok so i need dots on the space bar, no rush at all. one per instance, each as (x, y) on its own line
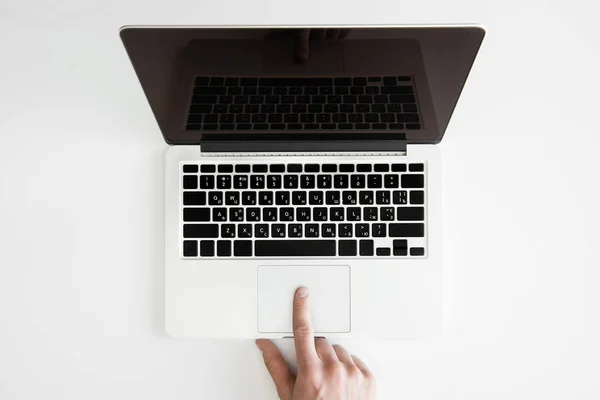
(294, 248)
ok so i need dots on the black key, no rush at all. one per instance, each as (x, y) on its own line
(282, 198)
(210, 127)
(379, 230)
(201, 81)
(350, 99)
(326, 90)
(200, 230)
(275, 118)
(336, 214)
(290, 181)
(366, 248)
(315, 197)
(242, 118)
(407, 230)
(294, 126)
(400, 197)
(236, 109)
(190, 168)
(303, 100)
(372, 118)
(315, 108)
(259, 118)
(269, 214)
(224, 248)
(383, 197)
(307, 181)
(319, 214)
(245, 231)
(256, 99)
(267, 109)
(215, 198)
(249, 198)
(383, 251)
(201, 109)
(358, 182)
(416, 197)
(372, 90)
(408, 117)
(265, 198)
(361, 230)
(323, 118)
(240, 99)
(357, 90)
(311, 168)
(295, 248)
(389, 80)
(341, 90)
(207, 248)
(402, 98)
(397, 90)
(252, 214)
(404, 78)
(409, 108)
(223, 182)
(190, 248)
(340, 118)
(280, 91)
(345, 230)
(196, 214)
(277, 230)
(240, 181)
(207, 168)
(347, 247)
(410, 213)
(265, 90)
(346, 168)
(417, 251)
(287, 99)
(236, 214)
(319, 99)
(227, 231)
(244, 168)
(398, 167)
(365, 99)
(242, 248)
(365, 197)
(190, 182)
(294, 230)
(324, 181)
(329, 168)
(257, 182)
(311, 230)
(363, 168)
(249, 81)
(225, 100)
(356, 118)
(378, 108)
(274, 182)
(360, 81)
(416, 167)
(195, 198)
(394, 108)
(391, 181)
(291, 118)
(353, 214)
(332, 197)
(286, 214)
(295, 90)
(299, 198)
(370, 214)
(381, 168)
(340, 181)
(219, 214)
(294, 168)
(386, 214)
(380, 98)
(303, 214)
(311, 90)
(217, 81)
(400, 247)
(413, 181)
(204, 99)
(261, 231)
(243, 126)
(349, 197)
(374, 181)
(328, 230)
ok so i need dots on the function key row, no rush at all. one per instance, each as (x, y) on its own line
(262, 168)
(278, 82)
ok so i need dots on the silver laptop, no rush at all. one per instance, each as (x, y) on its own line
(302, 156)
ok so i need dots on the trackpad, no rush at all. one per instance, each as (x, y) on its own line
(329, 288)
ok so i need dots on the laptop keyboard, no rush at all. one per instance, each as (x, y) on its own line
(303, 210)
(350, 103)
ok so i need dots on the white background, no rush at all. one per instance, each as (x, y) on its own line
(81, 217)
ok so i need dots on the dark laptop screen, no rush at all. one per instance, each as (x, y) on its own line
(204, 81)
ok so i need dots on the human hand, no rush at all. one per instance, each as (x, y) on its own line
(304, 36)
(324, 371)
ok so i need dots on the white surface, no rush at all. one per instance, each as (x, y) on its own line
(410, 289)
(329, 287)
(81, 184)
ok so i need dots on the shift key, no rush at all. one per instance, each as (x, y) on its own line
(200, 230)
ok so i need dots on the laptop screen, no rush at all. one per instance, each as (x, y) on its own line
(281, 81)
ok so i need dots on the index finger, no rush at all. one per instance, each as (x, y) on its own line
(304, 340)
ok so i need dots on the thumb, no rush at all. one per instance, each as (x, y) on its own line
(278, 369)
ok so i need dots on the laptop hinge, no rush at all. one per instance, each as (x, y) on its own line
(304, 142)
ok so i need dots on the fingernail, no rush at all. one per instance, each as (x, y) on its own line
(258, 344)
(302, 292)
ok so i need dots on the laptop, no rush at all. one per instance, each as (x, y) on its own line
(302, 156)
